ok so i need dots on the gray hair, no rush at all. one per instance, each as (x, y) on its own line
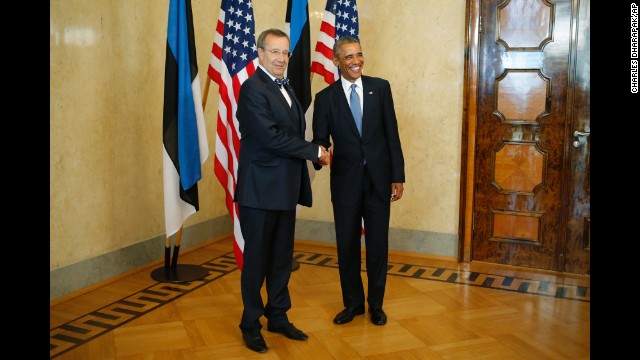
(274, 32)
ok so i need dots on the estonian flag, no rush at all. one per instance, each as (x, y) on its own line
(299, 68)
(184, 134)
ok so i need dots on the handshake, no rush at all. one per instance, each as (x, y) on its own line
(324, 158)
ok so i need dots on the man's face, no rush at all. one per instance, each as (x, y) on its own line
(275, 64)
(350, 61)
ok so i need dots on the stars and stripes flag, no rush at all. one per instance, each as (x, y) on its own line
(234, 58)
(340, 18)
(184, 135)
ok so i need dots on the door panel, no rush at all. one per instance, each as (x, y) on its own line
(526, 168)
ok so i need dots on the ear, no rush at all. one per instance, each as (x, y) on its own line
(336, 62)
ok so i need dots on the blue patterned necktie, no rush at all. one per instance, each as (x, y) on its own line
(283, 81)
(354, 103)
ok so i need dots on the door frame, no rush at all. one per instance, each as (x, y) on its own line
(469, 121)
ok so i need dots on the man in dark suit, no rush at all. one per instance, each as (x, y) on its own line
(367, 174)
(272, 179)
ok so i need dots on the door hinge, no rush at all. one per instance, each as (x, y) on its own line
(480, 24)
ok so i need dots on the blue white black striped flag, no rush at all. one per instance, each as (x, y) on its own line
(184, 134)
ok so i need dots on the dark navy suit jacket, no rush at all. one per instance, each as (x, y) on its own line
(272, 169)
(379, 143)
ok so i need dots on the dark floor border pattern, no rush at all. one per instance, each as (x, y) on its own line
(80, 331)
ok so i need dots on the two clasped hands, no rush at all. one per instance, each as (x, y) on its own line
(324, 157)
(396, 188)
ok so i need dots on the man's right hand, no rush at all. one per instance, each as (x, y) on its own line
(324, 158)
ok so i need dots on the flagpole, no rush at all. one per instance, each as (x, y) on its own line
(173, 263)
(174, 272)
(177, 65)
(167, 251)
(168, 262)
(205, 93)
(176, 249)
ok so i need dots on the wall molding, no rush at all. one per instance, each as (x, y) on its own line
(404, 240)
(74, 277)
(87, 273)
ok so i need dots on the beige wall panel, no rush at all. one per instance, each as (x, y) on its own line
(418, 45)
(107, 95)
(106, 100)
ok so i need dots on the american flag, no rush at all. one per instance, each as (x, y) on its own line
(340, 19)
(234, 59)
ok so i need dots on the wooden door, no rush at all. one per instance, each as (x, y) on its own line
(531, 184)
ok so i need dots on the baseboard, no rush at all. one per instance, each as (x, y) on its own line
(432, 244)
(84, 276)
(90, 273)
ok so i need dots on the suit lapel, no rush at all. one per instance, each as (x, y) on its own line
(280, 96)
(366, 99)
(295, 106)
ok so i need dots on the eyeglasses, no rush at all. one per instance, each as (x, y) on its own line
(279, 52)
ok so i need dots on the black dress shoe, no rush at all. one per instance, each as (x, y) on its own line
(378, 316)
(254, 340)
(347, 314)
(289, 331)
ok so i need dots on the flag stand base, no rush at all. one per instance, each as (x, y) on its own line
(179, 273)
(295, 265)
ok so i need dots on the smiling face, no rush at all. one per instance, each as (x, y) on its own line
(348, 57)
(275, 64)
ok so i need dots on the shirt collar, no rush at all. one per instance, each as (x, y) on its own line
(266, 72)
(346, 84)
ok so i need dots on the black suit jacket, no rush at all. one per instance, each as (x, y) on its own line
(379, 144)
(272, 169)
